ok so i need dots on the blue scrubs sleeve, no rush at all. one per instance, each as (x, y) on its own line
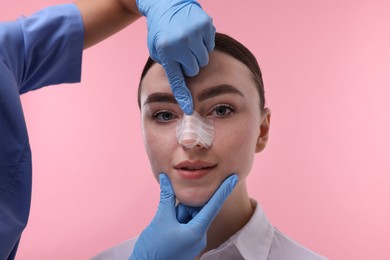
(45, 48)
(36, 51)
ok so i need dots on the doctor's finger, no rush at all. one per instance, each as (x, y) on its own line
(189, 62)
(209, 39)
(167, 195)
(201, 54)
(185, 213)
(179, 88)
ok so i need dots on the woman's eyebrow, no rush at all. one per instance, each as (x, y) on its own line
(218, 90)
(160, 97)
(203, 95)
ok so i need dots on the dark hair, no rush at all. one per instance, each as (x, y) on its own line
(232, 47)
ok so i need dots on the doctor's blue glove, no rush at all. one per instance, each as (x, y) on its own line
(180, 36)
(168, 238)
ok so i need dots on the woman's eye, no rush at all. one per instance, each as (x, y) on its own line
(222, 111)
(164, 116)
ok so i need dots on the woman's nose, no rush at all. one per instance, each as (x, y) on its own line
(192, 142)
(195, 131)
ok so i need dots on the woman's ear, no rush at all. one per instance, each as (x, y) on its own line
(264, 130)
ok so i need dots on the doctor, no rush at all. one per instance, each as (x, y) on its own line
(46, 49)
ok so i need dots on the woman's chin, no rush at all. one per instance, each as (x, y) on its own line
(195, 204)
(193, 200)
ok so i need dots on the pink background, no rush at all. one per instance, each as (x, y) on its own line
(323, 179)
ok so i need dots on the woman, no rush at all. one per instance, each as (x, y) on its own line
(228, 98)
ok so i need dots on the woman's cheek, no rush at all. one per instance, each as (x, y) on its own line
(235, 144)
(158, 144)
(231, 136)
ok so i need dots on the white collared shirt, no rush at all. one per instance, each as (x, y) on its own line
(257, 240)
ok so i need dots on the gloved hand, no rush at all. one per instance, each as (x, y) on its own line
(180, 36)
(168, 238)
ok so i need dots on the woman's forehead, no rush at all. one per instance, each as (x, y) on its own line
(222, 69)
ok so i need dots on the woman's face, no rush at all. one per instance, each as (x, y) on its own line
(224, 92)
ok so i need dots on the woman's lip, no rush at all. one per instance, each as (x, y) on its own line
(192, 170)
(194, 174)
(193, 164)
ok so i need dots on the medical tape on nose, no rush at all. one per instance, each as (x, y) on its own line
(195, 130)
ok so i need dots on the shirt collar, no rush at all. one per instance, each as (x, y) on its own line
(255, 238)
(253, 241)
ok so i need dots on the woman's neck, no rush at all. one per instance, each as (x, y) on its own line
(234, 215)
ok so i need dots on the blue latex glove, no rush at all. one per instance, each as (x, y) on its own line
(179, 232)
(180, 36)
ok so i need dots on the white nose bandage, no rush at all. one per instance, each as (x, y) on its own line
(195, 130)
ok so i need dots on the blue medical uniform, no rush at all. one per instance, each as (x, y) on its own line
(40, 50)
